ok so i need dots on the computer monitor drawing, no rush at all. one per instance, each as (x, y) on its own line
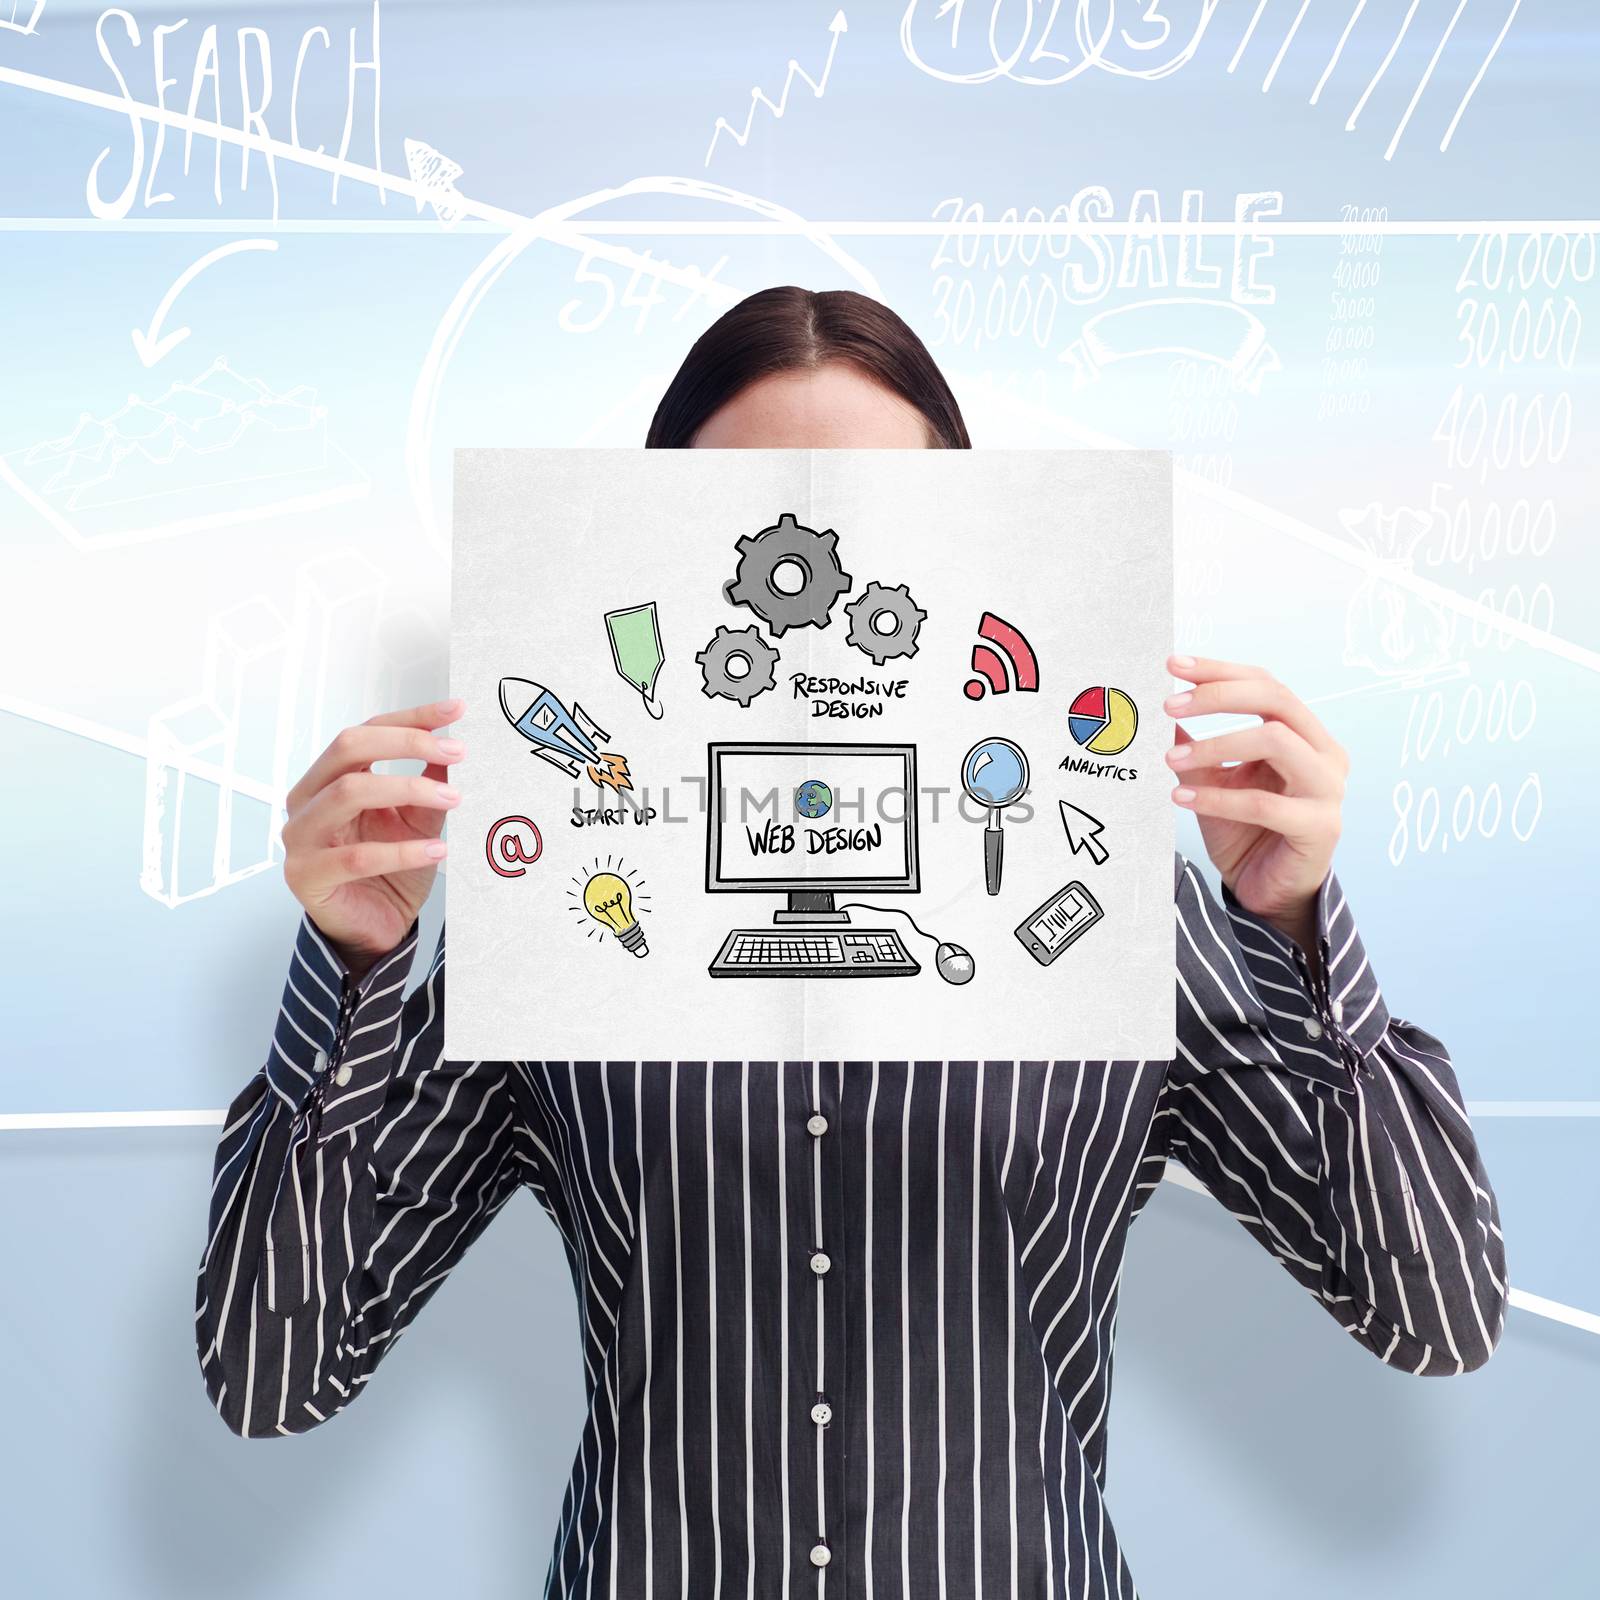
(810, 821)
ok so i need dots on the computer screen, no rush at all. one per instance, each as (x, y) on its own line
(811, 816)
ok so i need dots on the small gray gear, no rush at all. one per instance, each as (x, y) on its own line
(727, 645)
(874, 600)
(760, 556)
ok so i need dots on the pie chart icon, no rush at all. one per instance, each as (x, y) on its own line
(1103, 720)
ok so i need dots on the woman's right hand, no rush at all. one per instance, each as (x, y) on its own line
(361, 848)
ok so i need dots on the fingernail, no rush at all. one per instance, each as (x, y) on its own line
(434, 849)
(1182, 662)
(447, 794)
(1183, 796)
(1176, 702)
(451, 749)
(451, 706)
(1178, 754)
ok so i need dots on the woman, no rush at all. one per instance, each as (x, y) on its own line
(840, 1322)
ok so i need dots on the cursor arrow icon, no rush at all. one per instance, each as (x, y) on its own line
(1083, 833)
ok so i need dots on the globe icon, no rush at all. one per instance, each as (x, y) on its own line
(813, 798)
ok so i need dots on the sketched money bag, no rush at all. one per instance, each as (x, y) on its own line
(1387, 628)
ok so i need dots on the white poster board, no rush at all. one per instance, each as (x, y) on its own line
(700, 685)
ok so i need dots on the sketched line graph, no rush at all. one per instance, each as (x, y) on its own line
(758, 96)
(1139, 39)
(162, 466)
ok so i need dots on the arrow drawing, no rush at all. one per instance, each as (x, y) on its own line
(152, 347)
(777, 108)
(1083, 833)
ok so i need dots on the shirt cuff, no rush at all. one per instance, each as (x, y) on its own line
(336, 1035)
(1339, 1013)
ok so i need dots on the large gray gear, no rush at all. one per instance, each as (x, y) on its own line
(727, 644)
(875, 599)
(761, 554)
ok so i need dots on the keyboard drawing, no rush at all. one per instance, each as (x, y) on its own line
(813, 953)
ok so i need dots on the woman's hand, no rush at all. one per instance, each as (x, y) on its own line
(361, 848)
(1269, 823)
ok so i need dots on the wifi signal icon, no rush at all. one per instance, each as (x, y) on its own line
(1004, 656)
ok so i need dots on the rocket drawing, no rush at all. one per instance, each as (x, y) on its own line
(566, 739)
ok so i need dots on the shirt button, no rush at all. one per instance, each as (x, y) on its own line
(1313, 1028)
(817, 1125)
(318, 1063)
(343, 1075)
(822, 1413)
(820, 1262)
(1337, 1008)
(820, 1554)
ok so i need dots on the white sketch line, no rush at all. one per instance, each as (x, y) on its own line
(421, 193)
(1248, 34)
(1383, 67)
(1283, 49)
(45, 1121)
(35, 11)
(149, 342)
(1341, 550)
(129, 744)
(578, 234)
(1416, 94)
(1554, 1310)
(1472, 88)
(778, 107)
(451, 326)
(1180, 1177)
(1338, 50)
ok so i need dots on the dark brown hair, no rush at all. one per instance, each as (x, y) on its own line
(788, 328)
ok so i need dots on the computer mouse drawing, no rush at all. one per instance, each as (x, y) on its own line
(953, 963)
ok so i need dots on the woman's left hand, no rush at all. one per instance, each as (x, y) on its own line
(1269, 823)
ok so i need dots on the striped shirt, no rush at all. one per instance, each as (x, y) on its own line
(847, 1327)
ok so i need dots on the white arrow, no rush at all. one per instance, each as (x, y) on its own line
(777, 107)
(1083, 833)
(152, 348)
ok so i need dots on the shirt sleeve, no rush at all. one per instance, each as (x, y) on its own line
(1335, 1132)
(353, 1171)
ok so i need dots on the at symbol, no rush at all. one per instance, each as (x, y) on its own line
(509, 847)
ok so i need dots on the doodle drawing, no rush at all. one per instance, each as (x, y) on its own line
(635, 635)
(566, 739)
(1000, 647)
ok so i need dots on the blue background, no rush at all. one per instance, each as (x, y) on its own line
(1254, 1450)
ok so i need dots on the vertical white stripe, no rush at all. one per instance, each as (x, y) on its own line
(869, 1296)
(713, 1376)
(905, 1339)
(749, 1346)
(939, 1297)
(649, 1340)
(679, 1417)
(780, 1078)
(1011, 1326)
(1383, 67)
(975, 1194)
(822, 1370)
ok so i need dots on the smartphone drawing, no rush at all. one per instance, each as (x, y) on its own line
(1062, 920)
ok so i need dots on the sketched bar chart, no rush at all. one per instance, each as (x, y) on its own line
(203, 832)
(273, 694)
(329, 677)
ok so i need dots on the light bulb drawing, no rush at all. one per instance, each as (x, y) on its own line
(610, 897)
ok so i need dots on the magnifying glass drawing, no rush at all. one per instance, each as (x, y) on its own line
(995, 774)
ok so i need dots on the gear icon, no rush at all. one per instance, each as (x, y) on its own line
(727, 646)
(788, 544)
(878, 600)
